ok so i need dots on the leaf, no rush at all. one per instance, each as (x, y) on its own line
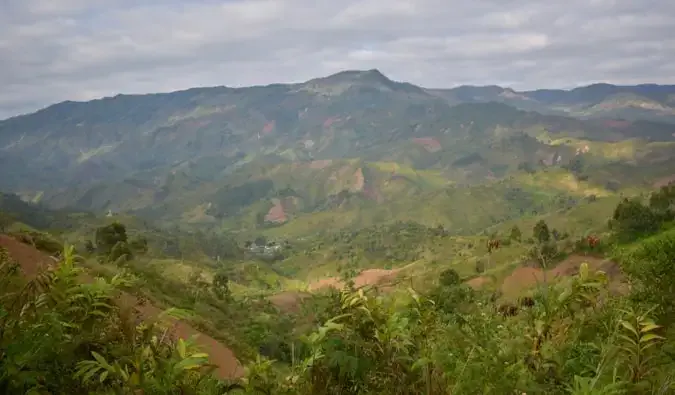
(649, 337)
(181, 347)
(583, 271)
(564, 295)
(649, 327)
(101, 360)
(630, 327)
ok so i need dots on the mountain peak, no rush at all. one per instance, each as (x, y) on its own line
(370, 79)
(372, 75)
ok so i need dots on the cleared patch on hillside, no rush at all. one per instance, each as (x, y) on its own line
(479, 282)
(428, 143)
(289, 301)
(662, 182)
(269, 127)
(526, 278)
(276, 213)
(374, 277)
(32, 261)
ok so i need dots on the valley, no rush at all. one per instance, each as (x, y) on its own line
(348, 234)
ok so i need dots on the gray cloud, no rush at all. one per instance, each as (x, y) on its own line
(83, 49)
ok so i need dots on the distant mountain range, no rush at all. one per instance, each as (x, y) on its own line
(271, 155)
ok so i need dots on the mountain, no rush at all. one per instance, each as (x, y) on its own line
(355, 148)
(638, 102)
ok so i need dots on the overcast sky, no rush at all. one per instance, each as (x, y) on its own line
(55, 50)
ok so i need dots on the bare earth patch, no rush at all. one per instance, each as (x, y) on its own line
(662, 182)
(276, 214)
(524, 278)
(428, 143)
(366, 277)
(288, 301)
(478, 282)
(269, 127)
(32, 261)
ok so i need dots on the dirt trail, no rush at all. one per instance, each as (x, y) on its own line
(32, 260)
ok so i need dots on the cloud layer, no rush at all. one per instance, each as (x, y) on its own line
(83, 49)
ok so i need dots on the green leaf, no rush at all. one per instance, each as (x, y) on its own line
(629, 326)
(101, 360)
(583, 271)
(649, 327)
(649, 337)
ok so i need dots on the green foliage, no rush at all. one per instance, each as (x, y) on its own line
(107, 237)
(632, 220)
(515, 234)
(541, 232)
(5, 221)
(449, 278)
(220, 284)
(650, 267)
(60, 336)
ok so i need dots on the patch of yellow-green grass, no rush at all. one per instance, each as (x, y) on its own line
(86, 155)
(560, 180)
(586, 218)
(428, 178)
(622, 150)
(198, 112)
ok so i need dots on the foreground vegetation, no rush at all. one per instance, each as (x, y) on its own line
(62, 335)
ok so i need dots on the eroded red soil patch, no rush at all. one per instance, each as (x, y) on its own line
(366, 277)
(288, 301)
(478, 282)
(329, 121)
(428, 143)
(524, 278)
(620, 124)
(269, 127)
(662, 182)
(32, 261)
(276, 214)
(359, 181)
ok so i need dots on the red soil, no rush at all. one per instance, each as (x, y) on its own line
(32, 261)
(429, 143)
(276, 214)
(613, 123)
(662, 182)
(269, 127)
(329, 121)
(288, 301)
(524, 278)
(366, 277)
(478, 282)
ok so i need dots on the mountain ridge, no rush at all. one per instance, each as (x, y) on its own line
(205, 155)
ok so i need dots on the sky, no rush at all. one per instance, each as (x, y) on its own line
(55, 50)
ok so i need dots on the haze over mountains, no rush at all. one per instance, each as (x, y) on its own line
(353, 143)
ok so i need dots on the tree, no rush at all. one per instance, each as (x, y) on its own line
(541, 232)
(633, 219)
(516, 234)
(221, 284)
(449, 278)
(5, 221)
(108, 236)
